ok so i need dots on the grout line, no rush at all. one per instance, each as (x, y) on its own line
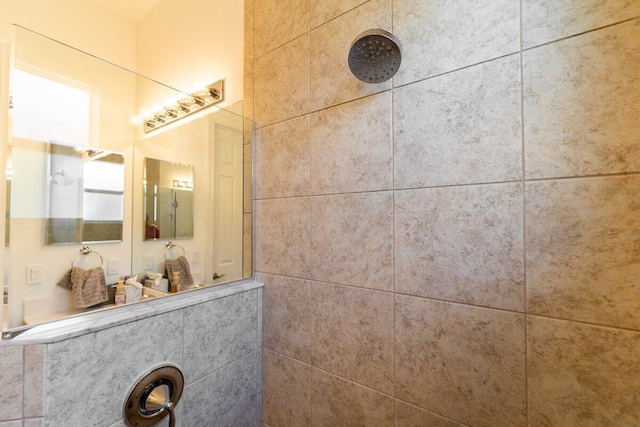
(182, 328)
(521, 180)
(444, 73)
(524, 218)
(565, 178)
(310, 112)
(393, 238)
(341, 14)
(352, 381)
(460, 423)
(583, 322)
(24, 373)
(485, 307)
(256, 57)
(310, 385)
(580, 34)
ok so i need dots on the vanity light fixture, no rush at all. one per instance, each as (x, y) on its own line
(192, 103)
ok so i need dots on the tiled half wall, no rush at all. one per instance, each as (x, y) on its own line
(85, 380)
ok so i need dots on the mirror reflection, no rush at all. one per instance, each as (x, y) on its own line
(84, 175)
(168, 200)
(85, 195)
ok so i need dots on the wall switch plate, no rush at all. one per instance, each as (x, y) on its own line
(34, 274)
(147, 262)
(195, 257)
(112, 266)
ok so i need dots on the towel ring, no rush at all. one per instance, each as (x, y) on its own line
(171, 245)
(86, 250)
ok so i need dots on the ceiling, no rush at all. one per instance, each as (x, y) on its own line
(131, 10)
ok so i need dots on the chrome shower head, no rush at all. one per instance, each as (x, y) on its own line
(375, 56)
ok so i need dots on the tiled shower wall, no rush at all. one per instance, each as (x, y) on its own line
(458, 246)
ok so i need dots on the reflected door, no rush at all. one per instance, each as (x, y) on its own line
(227, 203)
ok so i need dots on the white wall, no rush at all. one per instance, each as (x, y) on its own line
(193, 40)
(77, 23)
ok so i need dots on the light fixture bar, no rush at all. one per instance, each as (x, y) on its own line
(192, 103)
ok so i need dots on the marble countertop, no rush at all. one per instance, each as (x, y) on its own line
(70, 327)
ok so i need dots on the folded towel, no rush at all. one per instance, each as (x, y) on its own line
(180, 265)
(89, 287)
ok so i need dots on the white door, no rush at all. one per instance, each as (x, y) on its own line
(227, 204)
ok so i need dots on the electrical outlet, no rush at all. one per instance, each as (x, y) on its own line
(195, 257)
(34, 274)
(147, 262)
(112, 266)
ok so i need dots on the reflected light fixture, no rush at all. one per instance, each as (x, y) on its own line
(161, 116)
(179, 183)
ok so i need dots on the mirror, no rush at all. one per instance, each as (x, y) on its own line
(79, 135)
(85, 195)
(210, 152)
(168, 200)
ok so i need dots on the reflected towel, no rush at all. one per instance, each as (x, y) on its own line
(180, 265)
(65, 282)
(89, 287)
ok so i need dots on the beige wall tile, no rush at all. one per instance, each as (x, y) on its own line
(282, 237)
(247, 106)
(281, 83)
(547, 20)
(15, 423)
(583, 250)
(287, 319)
(439, 36)
(460, 128)
(411, 416)
(286, 391)
(337, 402)
(11, 392)
(463, 362)
(581, 98)
(278, 22)
(324, 10)
(582, 375)
(282, 159)
(351, 147)
(331, 79)
(352, 334)
(461, 244)
(33, 380)
(249, 23)
(352, 239)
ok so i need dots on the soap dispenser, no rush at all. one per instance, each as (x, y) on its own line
(175, 282)
(121, 297)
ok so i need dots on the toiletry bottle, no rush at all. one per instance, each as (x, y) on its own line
(175, 282)
(120, 294)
